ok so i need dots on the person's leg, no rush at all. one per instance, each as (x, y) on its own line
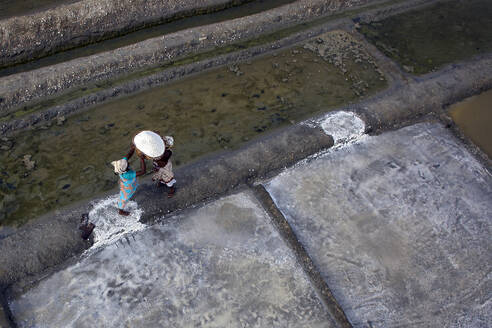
(121, 206)
(172, 189)
(123, 212)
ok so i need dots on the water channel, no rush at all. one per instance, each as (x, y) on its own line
(424, 40)
(68, 159)
(246, 9)
(474, 118)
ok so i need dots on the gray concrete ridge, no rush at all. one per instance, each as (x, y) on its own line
(222, 265)
(66, 26)
(399, 225)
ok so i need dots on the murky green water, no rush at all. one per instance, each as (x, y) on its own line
(78, 92)
(246, 9)
(474, 117)
(216, 110)
(9, 8)
(425, 40)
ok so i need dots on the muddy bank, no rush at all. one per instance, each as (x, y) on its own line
(54, 238)
(21, 88)
(88, 21)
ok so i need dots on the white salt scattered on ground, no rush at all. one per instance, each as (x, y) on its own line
(110, 226)
(344, 127)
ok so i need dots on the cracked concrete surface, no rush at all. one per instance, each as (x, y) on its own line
(399, 225)
(222, 265)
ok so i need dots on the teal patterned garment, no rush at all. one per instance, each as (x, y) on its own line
(128, 186)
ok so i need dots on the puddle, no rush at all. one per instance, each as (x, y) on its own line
(216, 110)
(474, 118)
(9, 8)
(423, 41)
(147, 33)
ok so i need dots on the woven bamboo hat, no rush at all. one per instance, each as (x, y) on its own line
(150, 144)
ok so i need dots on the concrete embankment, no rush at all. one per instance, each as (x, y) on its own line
(416, 97)
(19, 89)
(66, 26)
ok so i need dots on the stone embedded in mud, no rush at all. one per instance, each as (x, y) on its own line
(7, 145)
(28, 163)
(63, 181)
(409, 69)
(60, 119)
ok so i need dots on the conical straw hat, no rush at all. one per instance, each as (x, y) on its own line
(149, 143)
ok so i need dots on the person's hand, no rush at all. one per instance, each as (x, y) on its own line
(140, 154)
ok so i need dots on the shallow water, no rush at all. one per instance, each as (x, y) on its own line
(246, 9)
(425, 40)
(474, 118)
(216, 110)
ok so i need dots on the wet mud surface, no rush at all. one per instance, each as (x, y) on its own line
(68, 159)
(147, 33)
(424, 40)
(293, 23)
(474, 117)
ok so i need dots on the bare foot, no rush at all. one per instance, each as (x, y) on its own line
(122, 212)
(171, 192)
(87, 230)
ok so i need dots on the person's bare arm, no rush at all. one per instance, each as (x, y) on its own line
(142, 167)
(161, 162)
(130, 153)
